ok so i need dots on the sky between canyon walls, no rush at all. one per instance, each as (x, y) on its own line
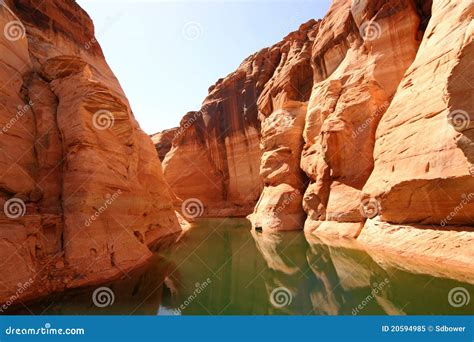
(166, 54)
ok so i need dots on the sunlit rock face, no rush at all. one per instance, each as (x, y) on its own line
(424, 148)
(380, 138)
(359, 58)
(81, 188)
(215, 152)
(282, 109)
(366, 113)
(237, 144)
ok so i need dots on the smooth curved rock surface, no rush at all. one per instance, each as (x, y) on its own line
(81, 188)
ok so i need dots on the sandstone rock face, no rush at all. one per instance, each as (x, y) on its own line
(378, 98)
(282, 108)
(355, 79)
(215, 156)
(422, 159)
(279, 204)
(389, 138)
(81, 188)
(224, 154)
(163, 141)
(378, 137)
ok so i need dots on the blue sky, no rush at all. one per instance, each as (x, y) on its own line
(166, 54)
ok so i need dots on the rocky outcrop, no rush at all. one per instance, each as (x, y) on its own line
(163, 141)
(374, 104)
(282, 108)
(393, 137)
(356, 75)
(224, 154)
(215, 155)
(81, 187)
(420, 177)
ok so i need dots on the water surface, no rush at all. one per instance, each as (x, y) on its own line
(221, 267)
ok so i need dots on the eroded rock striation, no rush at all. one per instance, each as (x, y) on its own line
(362, 124)
(215, 155)
(81, 188)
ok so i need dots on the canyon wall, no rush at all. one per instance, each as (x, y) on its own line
(362, 123)
(214, 159)
(81, 188)
(380, 141)
(224, 155)
(359, 58)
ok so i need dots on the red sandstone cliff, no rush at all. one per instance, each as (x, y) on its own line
(81, 187)
(215, 156)
(361, 125)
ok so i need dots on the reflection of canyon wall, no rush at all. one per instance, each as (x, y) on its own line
(351, 282)
(218, 259)
(375, 104)
(220, 269)
(70, 148)
(288, 278)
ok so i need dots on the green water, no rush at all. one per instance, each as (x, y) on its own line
(220, 267)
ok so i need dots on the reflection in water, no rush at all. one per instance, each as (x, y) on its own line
(138, 293)
(286, 269)
(220, 267)
(350, 282)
